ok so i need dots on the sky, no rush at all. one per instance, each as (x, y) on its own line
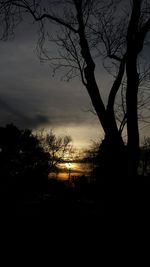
(31, 97)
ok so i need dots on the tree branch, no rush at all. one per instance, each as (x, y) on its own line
(116, 85)
(44, 15)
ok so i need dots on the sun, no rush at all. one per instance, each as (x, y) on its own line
(68, 165)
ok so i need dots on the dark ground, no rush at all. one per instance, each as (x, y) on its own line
(61, 200)
(57, 200)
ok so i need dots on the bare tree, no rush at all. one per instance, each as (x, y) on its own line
(59, 148)
(88, 29)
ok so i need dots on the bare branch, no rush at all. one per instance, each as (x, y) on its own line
(39, 17)
(116, 85)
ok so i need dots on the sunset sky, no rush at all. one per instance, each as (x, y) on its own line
(31, 97)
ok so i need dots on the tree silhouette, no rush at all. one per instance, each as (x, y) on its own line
(22, 159)
(59, 148)
(88, 29)
(24, 169)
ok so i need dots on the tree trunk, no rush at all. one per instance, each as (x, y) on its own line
(133, 49)
(132, 114)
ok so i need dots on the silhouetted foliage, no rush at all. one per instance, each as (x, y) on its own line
(22, 159)
(104, 159)
(144, 168)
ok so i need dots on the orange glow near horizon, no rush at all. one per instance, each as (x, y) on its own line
(72, 169)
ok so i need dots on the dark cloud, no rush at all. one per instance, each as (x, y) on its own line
(20, 118)
(36, 113)
(11, 110)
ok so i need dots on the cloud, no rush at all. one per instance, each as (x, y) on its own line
(21, 119)
(9, 109)
(54, 117)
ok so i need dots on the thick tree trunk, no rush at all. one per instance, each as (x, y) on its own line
(132, 115)
(134, 46)
(112, 162)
